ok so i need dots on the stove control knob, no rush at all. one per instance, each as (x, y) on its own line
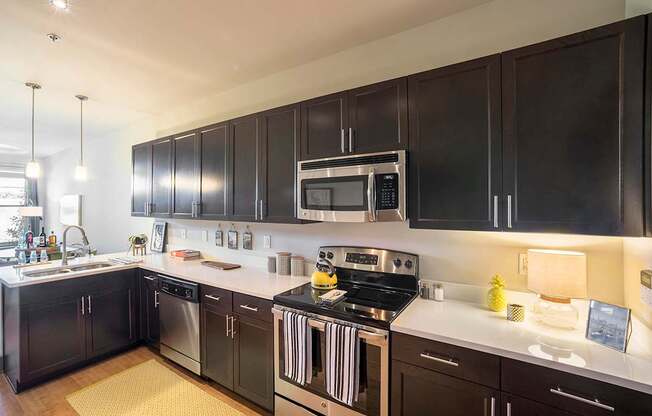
(329, 255)
(397, 263)
(408, 264)
(322, 254)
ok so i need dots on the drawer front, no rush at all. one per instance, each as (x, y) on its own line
(447, 359)
(572, 393)
(220, 300)
(252, 306)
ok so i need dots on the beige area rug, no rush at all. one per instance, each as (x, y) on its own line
(147, 389)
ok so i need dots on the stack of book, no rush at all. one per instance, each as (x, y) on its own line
(185, 254)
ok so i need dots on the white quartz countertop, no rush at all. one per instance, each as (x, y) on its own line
(474, 326)
(248, 280)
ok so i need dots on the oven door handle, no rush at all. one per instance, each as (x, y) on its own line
(370, 337)
(371, 195)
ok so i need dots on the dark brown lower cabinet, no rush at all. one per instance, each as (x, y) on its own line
(238, 344)
(517, 406)
(417, 392)
(254, 360)
(149, 313)
(54, 327)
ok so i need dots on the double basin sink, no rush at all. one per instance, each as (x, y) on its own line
(67, 269)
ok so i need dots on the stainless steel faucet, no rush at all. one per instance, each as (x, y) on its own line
(64, 256)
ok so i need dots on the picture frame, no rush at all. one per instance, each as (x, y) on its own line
(159, 235)
(247, 240)
(609, 325)
(232, 239)
(219, 238)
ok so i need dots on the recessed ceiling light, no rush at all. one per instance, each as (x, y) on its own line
(53, 37)
(59, 4)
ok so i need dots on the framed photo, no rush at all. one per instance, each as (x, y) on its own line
(609, 325)
(219, 238)
(233, 239)
(247, 240)
(158, 236)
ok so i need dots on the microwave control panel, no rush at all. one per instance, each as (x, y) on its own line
(387, 191)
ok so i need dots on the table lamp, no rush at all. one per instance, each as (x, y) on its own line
(557, 276)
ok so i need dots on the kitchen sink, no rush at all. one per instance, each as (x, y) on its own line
(67, 269)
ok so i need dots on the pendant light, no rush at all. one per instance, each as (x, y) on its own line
(80, 170)
(32, 169)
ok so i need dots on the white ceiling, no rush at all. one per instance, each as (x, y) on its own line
(138, 58)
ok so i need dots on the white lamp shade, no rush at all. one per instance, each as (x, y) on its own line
(32, 169)
(556, 273)
(80, 173)
(30, 211)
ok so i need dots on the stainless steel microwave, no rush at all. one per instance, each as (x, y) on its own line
(357, 188)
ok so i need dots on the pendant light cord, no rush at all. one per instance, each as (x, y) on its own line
(33, 88)
(81, 132)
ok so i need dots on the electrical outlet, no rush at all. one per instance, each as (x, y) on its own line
(183, 234)
(267, 241)
(522, 263)
(204, 235)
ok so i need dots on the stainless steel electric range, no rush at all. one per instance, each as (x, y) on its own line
(379, 284)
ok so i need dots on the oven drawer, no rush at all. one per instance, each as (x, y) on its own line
(252, 306)
(572, 393)
(448, 359)
(219, 299)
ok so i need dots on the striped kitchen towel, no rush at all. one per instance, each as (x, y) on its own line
(342, 362)
(297, 347)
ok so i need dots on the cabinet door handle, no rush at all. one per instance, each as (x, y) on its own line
(595, 402)
(509, 409)
(232, 326)
(215, 298)
(82, 305)
(90, 308)
(493, 407)
(350, 139)
(156, 293)
(149, 278)
(509, 211)
(250, 308)
(228, 318)
(342, 141)
(448, 361)
(495, 211)
(260, 203)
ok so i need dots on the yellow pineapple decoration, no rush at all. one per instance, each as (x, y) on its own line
(496, 300)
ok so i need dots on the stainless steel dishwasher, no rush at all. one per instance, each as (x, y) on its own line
(179, 316)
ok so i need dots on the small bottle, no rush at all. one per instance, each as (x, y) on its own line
(52, 239)
(29, 238)
(44, 256)
(33, 257)
(439, 292)
(41, 238)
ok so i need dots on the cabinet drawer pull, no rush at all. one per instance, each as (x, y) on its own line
(595, 402)
(250, 308)
(82, 305)
(149, 278)
(509, 409)
(509, 211)
(493, 406)
(215, 298)
(90, 310)
(448, 361)
(351, 139)
(495, 211)
(156, 293)
(342, 141)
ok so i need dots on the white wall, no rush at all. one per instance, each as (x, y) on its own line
(447, 255)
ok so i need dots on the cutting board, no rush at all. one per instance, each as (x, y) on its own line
(219, 265)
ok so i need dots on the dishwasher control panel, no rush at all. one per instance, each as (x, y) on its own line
(180, 289)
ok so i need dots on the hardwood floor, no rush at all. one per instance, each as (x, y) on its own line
(49, 399)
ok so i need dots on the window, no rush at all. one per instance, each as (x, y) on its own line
(12, 196)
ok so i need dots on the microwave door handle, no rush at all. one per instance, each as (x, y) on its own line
(371, 195)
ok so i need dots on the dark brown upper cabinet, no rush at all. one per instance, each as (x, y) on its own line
(214, 172)
(323, 129)
(161, 183)
(141, 162)
(455, 145)
(572, 132)
(185, 167)
(243, 195)
(278, 163)
(363, 120)
(647, 131)
(378, 117)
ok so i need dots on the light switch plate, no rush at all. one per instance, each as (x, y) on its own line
(204, 235)
(522, 264)
(267, 241)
